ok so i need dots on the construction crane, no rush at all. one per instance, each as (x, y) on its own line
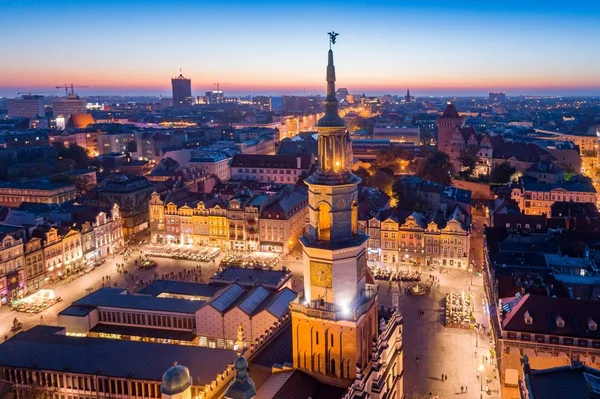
(29, 92)
(66, 87)
(218, 85)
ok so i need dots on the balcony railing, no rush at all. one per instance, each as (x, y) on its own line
(327, 310)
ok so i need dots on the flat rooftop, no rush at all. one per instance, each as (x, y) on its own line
(47, 348)
(180, 288)
(144, 332)
(118, 298)
(251, 276)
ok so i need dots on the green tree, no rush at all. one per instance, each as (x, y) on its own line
(74, 152)
(468, 159)
(364, 174)
(37, 391)
(436, 167)
(501, 173)
(383, 179)
(426, 136)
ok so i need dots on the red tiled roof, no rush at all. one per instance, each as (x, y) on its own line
(544, 311)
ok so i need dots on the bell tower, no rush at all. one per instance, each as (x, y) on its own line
(335, 319)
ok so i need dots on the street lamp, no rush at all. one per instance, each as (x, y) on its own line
(481, 369)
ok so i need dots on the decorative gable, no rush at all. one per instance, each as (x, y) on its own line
(528, 318)
(592, 324)
(560, 323)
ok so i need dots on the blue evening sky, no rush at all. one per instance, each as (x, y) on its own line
(434, 47)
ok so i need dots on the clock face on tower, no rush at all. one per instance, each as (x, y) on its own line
(320, 274)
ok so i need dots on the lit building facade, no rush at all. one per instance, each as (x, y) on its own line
(194, 222)
(14, 194)
(285, 169)
(12, 272)
(536, 198)
(415, 240)
(34, 265)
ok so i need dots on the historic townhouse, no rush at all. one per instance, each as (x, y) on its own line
(34, 265)
(536, 198)
(440, 239)
(108, 231)
(183, 217)
(247, 222)
(53, 251)
(12, 273)
(550, 331)
(283, 222)
(71, 248)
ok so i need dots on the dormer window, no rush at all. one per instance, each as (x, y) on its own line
(528, 318)
(592, 324)
(560, 323)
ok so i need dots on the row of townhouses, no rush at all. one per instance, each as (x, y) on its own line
(59, 242)
(440, 239)
(270, 222)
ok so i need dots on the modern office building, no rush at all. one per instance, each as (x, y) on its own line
(29, 106)
(182, 91)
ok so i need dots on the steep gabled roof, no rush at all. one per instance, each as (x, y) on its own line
(450, 112)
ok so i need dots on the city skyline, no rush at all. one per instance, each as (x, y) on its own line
(268, 47)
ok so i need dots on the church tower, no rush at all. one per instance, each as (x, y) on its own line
(335, 320)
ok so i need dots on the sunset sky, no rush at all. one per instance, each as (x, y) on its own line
(462, 47)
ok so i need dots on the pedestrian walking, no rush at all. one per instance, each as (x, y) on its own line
(462, 389)
(466, 388)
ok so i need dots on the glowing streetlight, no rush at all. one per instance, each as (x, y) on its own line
(481, 369)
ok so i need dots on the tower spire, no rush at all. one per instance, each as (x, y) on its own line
(331, 118)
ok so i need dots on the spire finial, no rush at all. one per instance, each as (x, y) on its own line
(175, 363)
(180, 70)
(332, 38)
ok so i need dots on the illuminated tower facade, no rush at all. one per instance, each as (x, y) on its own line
(335, 320)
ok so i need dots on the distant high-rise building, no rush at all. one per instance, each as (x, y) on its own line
(65, 107)
(215, 97)
(277, 103)
(182, 91)
(407, 97)
(497, 97)
(29, 106)
(263, 103)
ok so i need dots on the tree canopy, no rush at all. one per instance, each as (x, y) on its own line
(436, 167)
(468, 159)
(74, 152)
(501, 173)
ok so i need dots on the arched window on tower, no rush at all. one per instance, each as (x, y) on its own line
(332, 369)
(324, 232)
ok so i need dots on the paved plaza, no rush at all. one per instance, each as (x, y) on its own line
(74, 287)
(454, 352)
